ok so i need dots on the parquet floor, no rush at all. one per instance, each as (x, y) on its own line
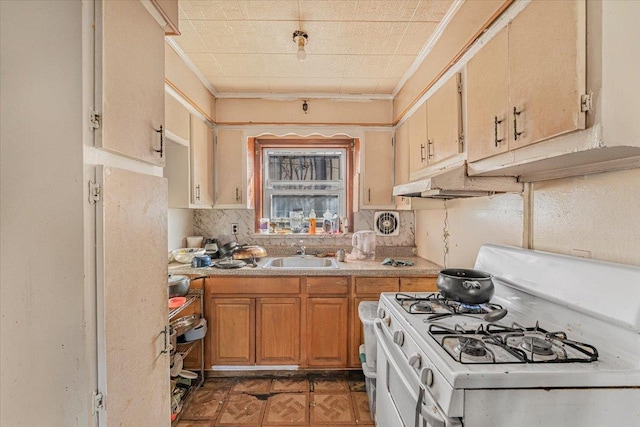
(311, 400)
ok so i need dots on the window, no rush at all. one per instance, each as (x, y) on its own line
(298, 177)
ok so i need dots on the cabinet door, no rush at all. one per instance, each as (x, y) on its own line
(132, 209)
(129, 76)
(326, 332)
(417, 140)
(229, 170)
(201, 163)
(378, 169)
(177, 121)
(278, 331)
(402, 164)
(547, 70)
(488, 99)
(232, 338)
(443, 122)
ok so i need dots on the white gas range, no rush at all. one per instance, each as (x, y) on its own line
(567, 352)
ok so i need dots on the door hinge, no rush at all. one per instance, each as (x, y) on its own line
(585, 102)
(459, 87)
(393, 142)
(95, 120)
(462, 142)
(95, 191)
(98, 402)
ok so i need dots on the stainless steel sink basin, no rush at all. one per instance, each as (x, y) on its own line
(301, 263)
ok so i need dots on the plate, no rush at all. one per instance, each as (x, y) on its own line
(185, 324)
(230, 263)
(188, 375)
(176, 302)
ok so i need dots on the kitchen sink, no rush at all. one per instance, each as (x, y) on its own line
(298, 262)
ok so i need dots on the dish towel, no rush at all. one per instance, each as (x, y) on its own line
(397, 262)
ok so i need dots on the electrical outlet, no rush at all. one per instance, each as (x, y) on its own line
(234, 228)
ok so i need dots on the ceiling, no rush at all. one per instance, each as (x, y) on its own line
(355, 47)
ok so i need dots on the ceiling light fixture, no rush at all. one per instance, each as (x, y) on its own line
(300, 38)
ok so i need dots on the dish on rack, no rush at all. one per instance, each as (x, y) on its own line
(185, 323)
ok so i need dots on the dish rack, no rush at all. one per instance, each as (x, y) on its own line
(194, 296)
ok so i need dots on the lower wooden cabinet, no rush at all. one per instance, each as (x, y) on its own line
(232, 336)
(277, 331)
(263, 331)
(307, 321)
(327, 332)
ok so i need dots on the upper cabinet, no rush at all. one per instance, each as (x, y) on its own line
(129, 76)
(444, 124)
(201, 163)
(435, 129)
(526, 84)
(230, 168)
(177, 121)
(401, 168)
(378, 169)
(189, 152)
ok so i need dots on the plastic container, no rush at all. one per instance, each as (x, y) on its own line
(370, 386)
(367, 311)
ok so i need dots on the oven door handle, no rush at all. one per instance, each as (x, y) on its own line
(430, 414)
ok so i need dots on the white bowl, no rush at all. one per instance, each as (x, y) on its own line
(185, 255)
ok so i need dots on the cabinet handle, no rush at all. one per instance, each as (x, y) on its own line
(422, 155)
(198, 192)
(516, 134)
(238, 194)
(369, 195)
(496, 122)
(429, 149)
(161, 150)
(165, 348)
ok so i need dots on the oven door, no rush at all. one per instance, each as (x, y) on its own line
(401, 399)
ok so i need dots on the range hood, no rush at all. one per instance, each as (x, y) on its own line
(454, 183)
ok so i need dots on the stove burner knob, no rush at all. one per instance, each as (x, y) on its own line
(381, 313)
(387, 321)
(426, 377)
(398, 337)
(415, 361)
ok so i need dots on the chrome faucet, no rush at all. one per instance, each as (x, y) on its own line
(300, 248)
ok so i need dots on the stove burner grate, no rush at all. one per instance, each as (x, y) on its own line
(516, 344)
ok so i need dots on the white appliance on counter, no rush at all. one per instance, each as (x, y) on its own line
(567, 353)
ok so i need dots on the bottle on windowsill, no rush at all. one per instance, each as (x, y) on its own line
(312, 222)
(326, 222)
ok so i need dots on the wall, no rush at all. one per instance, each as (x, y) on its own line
(180, 226)
(46, 355)
(289, 111)
(594, 216)
(451, 237)
(180, 77)
(217, 223)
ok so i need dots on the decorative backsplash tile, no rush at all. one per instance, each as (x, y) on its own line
(216, 223)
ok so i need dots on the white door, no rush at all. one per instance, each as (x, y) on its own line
(131, 238)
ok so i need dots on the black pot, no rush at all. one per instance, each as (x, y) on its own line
(466, 286)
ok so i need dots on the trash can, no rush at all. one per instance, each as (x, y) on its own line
(367, 310)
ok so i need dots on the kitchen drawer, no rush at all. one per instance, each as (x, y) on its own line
(375, 285)
(253, 285)
(418, 284)
(327, 285)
